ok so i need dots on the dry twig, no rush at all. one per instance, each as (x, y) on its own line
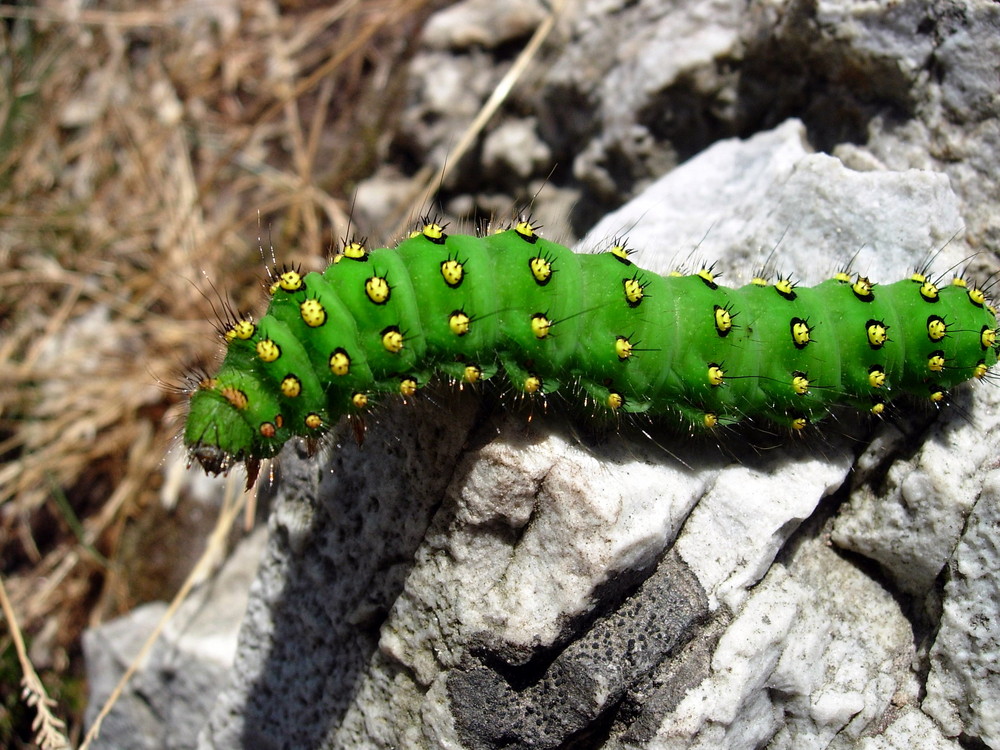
(49, 729)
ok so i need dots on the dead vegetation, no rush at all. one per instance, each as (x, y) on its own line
(142, 154)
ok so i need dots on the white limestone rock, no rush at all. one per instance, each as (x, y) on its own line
(910, 515)
(910, 729)
(542, 588)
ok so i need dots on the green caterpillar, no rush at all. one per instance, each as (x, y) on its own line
(680, 347)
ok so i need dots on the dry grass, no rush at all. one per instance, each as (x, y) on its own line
(138, 150)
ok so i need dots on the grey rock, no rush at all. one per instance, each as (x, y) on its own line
(515, 150)
(542, 706)
(954, 105)
(168, 700)
(465, 581)
(625, 91)
(483, 23)
(445, 97)
(644, 84)
(963, 687)
(331, 572)
(108, 651)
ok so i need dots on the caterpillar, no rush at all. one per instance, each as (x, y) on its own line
(679, 347)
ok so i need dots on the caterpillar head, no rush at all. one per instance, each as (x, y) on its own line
(212, 458)
(232, 420)
(217, 434)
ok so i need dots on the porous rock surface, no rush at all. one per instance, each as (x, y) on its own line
(471, 578)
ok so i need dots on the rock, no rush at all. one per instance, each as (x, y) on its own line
(910, 514)
(947, 54)
(108, 650)
(963, 689)
(167, 701)
(514, 150)
(331, 574)
(644, 91)
(624, 91)
(483, 23)
(910, 730)
(467, 581)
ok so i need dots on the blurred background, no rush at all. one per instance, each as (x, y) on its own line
(149, 152)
